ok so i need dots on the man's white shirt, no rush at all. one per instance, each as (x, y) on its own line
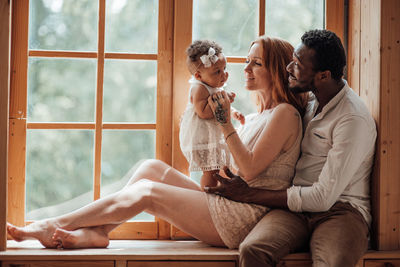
(337, 154)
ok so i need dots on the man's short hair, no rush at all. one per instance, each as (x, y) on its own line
(329, 51)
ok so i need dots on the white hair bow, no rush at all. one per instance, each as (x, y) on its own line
(209, 59)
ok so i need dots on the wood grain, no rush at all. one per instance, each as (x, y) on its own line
(164, 92)
(17, 115)
(4, 100)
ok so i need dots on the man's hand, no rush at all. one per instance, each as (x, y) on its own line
(233, 188)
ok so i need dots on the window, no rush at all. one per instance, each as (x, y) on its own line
(92, 91)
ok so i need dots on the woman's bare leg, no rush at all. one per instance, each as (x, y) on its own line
(154, 170)
(190, 213)
(183, 207)
(159, 171)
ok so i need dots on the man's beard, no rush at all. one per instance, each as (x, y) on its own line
(303, 89)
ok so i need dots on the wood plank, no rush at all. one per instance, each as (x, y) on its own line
(382, 263)
(90, 126)
(58, 263)
(17, 115)
(178, 234)
(129, 126)
(16, 176)
(99, 100)
(182, 39)
(354, 41)
(19, 59)
(164, 92)
(369, 89)
(4, 100)
(389, 126)
(181, 263)
(60, 125)
(135, 230)
(181, 75)
(121, 263)
(261, 17)
(334, 17)
(62, 54)
(131, 56)
(235, 59)
(123, 250)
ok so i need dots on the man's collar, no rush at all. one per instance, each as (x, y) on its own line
(333, 102)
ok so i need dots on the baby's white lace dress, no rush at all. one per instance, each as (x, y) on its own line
(201, 140)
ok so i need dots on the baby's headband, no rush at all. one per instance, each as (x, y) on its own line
(209, 59)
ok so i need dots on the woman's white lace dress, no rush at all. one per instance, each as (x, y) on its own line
(201, 140)
(234, 220)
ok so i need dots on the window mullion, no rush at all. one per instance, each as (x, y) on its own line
(164, 93)
(17, 114)
(261, 18)
(99, 100)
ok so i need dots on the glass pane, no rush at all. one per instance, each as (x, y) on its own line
(61, 90)
(132, 26)
(63, 25)
(59, 172)
(130, 91)
(231, 23)
(289, 19)
(236, 84)
(122, 153)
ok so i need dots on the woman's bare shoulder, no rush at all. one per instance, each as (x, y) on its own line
(285, 110)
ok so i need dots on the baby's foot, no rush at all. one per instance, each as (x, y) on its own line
(93, 237)
(40, 230)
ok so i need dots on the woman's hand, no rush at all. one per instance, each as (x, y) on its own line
(221, 107)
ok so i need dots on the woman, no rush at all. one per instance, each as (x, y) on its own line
(265, 155)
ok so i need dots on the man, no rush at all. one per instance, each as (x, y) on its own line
(327, 210)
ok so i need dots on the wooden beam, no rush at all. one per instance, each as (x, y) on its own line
(164, 92)
(354, 42)
(389, 125)
(99, 100)
(182, 39)
(17, 115)
(334, 17)
(181, 75)
(261, 18)
(4, 100)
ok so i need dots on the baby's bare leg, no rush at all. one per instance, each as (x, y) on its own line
(208, 180)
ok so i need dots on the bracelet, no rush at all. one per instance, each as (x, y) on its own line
(226, 138)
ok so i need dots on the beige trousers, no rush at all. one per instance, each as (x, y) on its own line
(335, 238)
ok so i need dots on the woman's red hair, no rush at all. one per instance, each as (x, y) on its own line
(277, 54)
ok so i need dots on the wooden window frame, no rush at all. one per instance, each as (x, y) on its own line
(174, 35)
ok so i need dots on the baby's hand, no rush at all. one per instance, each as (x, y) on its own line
(237, 115)
(231, 96)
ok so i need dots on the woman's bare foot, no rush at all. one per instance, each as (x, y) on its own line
(40, 230)
(91, 237)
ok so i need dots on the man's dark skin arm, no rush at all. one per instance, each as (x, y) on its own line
(234, 188)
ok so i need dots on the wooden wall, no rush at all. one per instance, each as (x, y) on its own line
(4, 97)
(374, 63)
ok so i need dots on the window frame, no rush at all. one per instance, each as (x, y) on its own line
(174, 35)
